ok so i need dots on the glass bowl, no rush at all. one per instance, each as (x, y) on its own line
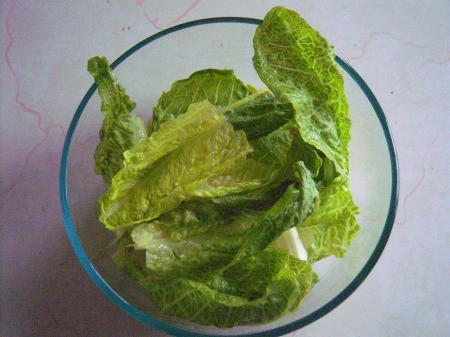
(148, 69)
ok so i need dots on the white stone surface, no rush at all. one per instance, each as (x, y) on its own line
(400, 48)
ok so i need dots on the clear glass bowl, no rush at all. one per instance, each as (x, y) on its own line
(148, 69)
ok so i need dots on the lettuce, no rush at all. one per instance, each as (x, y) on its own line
(296, 203)
(190, 244)
(219, 87)
(254, 290)
(259, 115)
(298, 66)
(168, 167)
(332, 226)
(120, 130)
(222, 210)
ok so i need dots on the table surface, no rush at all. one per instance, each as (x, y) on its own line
(401, 49)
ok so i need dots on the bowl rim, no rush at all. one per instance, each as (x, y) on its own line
(287, 328)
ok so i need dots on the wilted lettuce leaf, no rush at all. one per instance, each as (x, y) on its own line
(298, 66)
(266, 169)
(202, 235)
(246, 277)
(165, 169)
(257, 114)
(260, 116)
(193, 218)
(244, 176)
(258, 289)
(130, 260)
(258, 199)
(219, 87)
(270, 164)
(297, 202)
(283, 147)
(121, 129)
(175, 248)
(332, 225)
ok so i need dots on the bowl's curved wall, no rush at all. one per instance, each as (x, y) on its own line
(148, 69)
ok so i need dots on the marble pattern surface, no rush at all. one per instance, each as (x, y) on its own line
(401, 49)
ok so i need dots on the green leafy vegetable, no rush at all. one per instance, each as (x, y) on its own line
(219, 87)
(121, 130)
(261, 116)
(131, 261)
(294, 206)
(257, 289)
(258, 115)
(169, 166)
(332, 226)
(190, 248)
(298, 66)
(220, 212)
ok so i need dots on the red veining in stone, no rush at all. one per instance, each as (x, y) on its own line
(46, 130)
(186, 12)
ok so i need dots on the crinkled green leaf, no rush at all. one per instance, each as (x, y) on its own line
(189, 249)
(250, 277)
(269, 164)
(121, 129)
(297, 202)
(332, 225)
(273, 149)
(219, 87)
(131, 261)
(298, 66)
(246, 175)
(266, 167)
(255, 290)
(165, 169)
(258, 116)
(193, 218)
(302, 151)
(257, 199)
(261, 116)
(283, 147)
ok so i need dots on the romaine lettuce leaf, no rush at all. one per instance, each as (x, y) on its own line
(332, 226)
(248, 277)
(297, 202)
(209, 240)
(257, 199)
(298, 66)
(266, 170)
(266, 167)
(219, 87)
(255, 290)
(130, 260)
(195, 237)
(257, 113)
(283, 147)
(121, 129)
(260, 116)
(244, 176)
(194, 218)
(165, 169)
